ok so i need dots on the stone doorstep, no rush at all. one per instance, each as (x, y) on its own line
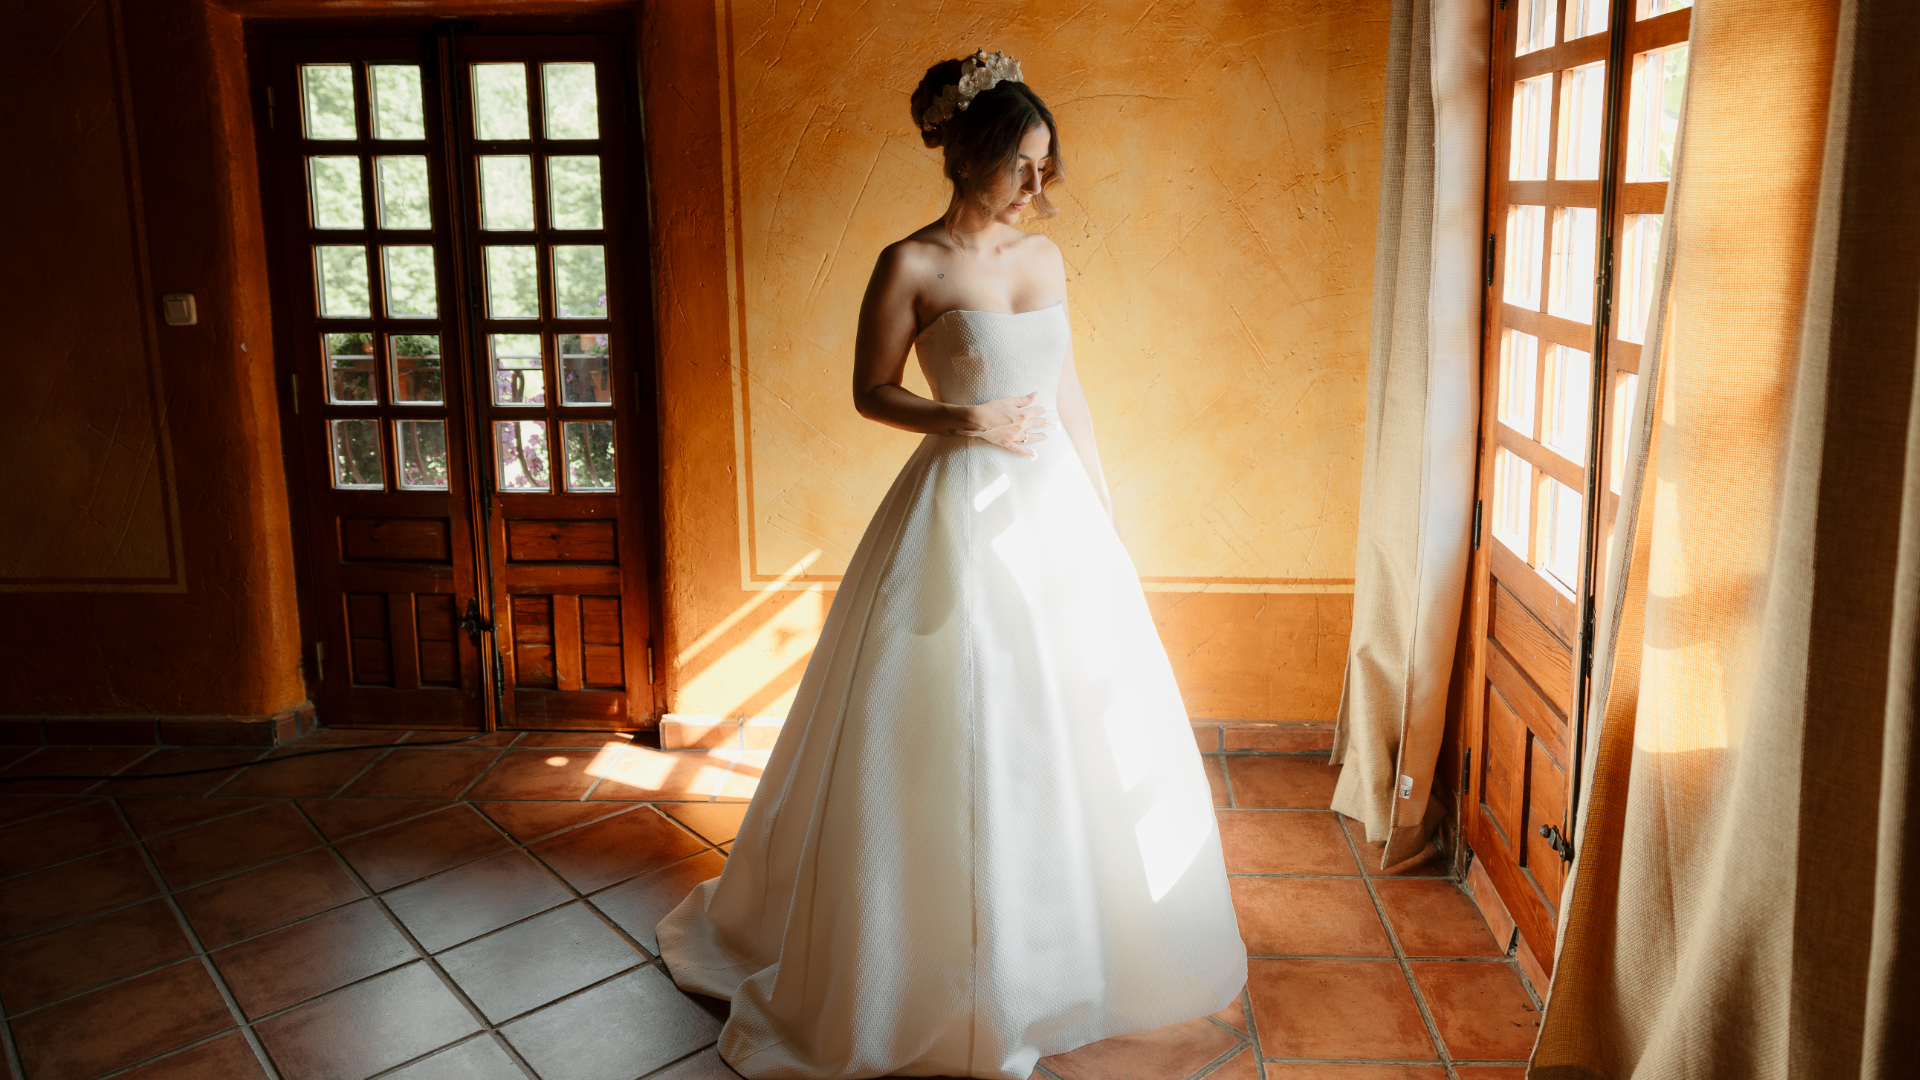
(1213, 736)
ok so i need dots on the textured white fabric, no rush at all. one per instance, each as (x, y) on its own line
(984, 835)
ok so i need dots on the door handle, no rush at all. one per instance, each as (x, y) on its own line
(1560, 844)
(473, 623)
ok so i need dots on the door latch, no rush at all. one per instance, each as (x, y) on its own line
(472, 622)
(1557, 842)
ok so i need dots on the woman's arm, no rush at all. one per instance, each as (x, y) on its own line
(887, 329)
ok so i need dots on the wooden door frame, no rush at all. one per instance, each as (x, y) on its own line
(645, 453)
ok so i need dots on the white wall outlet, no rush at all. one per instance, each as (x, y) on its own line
(179, 309)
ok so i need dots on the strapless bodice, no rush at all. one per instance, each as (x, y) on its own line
(973, 356)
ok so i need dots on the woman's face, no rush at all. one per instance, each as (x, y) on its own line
(1019, 189)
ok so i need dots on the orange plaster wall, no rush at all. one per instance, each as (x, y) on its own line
(147, 558)
(1218, 224)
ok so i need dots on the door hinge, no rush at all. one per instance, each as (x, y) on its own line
(649, 664)
(1586, 638)
(294, 380)
(1476, 524)
(1560, 844)
(269, 108)
(473, 623)
(1487, 264)
(320, 661)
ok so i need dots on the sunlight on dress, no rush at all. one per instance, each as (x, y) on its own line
(984, 835)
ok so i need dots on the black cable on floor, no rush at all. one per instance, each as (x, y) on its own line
(241, 765)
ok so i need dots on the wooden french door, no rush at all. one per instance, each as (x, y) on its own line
(1585, 106)
(460, 311)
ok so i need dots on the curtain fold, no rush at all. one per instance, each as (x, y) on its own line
(1417, 473)
(1740, 905)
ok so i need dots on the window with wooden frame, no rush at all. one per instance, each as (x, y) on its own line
(1585, 107)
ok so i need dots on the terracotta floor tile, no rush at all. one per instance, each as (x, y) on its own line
(1169, 1053)
(1284, 842)
(744, 780)
(1216, 779)
(367, 1027)
(301, 777)
(281, 969)
(1490, 1072)
(571, 1040)
(1428, 863)
(716, 822)
(16, 807)
(707, 1065)
(529, 821)
(1435, 917)
(492, 740)
(70, 760)
(1329, 1071)
(479, 1058)
(1308, 917)
(572, 740)
(180, 760)
(1242, 1066)
(637, 906)
(326, 737)
(1234, 1015)
(155, 817)
(338, 819)
(1302, 782)
(421, 774)
(77, 957)
(465, 902)
(225, 1058)
(641, 772)
(597, 855)
(1480, 1008)
(224, 911)
(70, 834)
(73, 890)
(127, 1022)
(1336, 1009)
(537, 961)
(540, 774)
(193, 855)
(413, 849)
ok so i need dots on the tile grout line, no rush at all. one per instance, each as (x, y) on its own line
(1400, 956)
(585, 898)
(200, 951)
(11, 1048)
(432, 963)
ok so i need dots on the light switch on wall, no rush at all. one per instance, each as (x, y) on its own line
(179, 309)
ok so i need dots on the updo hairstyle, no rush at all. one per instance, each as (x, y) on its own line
(982, 141)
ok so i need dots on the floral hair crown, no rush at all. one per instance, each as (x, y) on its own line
(980, 72)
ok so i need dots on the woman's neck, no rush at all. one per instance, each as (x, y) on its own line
(974, 232)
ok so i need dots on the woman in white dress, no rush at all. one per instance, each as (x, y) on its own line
(985, 834)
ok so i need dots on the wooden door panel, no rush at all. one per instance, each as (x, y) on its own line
(1522, 697)
(1546, 805)
(1500, 779)
(1544, 658)
(566, 526)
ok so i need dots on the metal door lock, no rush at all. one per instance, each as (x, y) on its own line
(473, 623)
(1557, 842)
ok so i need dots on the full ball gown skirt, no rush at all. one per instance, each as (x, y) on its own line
(984, 835)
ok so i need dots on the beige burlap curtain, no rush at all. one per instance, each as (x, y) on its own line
(1416, 480)
(1741, 904)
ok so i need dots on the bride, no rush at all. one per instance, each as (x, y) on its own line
(984, 835)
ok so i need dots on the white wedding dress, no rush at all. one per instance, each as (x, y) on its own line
(984, 834)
